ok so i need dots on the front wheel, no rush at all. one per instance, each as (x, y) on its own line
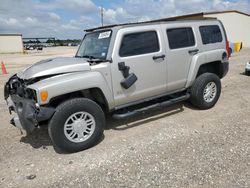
(77, 124)
(205, 91)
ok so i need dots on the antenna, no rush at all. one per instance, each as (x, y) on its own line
(102, 15)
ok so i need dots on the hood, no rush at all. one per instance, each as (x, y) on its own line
(54, 66)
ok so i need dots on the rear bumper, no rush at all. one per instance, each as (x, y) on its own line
(27, 114)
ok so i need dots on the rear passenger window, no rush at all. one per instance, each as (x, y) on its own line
(210, 34)
(180, 37)
(139, 43)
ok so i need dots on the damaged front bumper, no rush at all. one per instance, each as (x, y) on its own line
(27, 113)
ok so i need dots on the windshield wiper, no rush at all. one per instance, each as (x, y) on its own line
(89, 56)
(93, 59)
(86, 56)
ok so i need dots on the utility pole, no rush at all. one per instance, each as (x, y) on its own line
(102, 15)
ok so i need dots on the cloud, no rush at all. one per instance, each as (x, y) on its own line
(11, 21)
(72, 25)
(54, 16)
(135, 10)
(68, 18)
(84, 7)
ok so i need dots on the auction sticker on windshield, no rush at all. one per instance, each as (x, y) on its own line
(104, 35)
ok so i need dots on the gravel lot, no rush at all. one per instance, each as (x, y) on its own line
(175, 147)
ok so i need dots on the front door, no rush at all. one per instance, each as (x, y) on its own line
(140, 48)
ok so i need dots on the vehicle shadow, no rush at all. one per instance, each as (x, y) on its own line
(40, 137)
(190, 106)
(244, 73)
(141, 119)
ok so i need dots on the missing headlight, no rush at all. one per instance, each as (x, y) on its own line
(30, 94)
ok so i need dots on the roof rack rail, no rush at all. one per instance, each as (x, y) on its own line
(178, 18)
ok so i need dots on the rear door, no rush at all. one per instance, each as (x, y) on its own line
(141, 49)
(181, 47)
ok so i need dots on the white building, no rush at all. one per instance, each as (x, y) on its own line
(11, 43)
(237, 24)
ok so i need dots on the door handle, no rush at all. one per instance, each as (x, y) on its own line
(159, 57)
(192, 52)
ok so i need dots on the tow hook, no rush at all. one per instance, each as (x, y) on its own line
(16, 122)
(12, 122)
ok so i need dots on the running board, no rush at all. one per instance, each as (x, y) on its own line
(163, 104)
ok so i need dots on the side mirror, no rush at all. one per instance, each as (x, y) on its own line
(124, 69)
(129, 81)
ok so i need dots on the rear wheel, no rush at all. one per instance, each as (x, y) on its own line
(205, 91)
(77, 124)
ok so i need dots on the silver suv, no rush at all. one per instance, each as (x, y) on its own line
(123, 70)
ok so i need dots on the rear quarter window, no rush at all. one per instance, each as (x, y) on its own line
(210, 34)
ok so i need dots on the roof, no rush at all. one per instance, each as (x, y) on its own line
(171, 19)
(206, 13)
(227, 11)
(198, 16)
(10, 34)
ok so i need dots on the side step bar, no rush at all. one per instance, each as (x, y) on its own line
(163, 104)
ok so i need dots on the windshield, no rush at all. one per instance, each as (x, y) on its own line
(95, 45)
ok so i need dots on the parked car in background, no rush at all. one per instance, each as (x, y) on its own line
(247, 69)
(33, 47)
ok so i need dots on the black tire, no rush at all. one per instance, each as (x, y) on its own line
(198, 88)
(63, 112)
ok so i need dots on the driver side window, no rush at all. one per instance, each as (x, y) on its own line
(139, 43)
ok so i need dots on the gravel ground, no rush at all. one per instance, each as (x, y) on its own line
(175, 147)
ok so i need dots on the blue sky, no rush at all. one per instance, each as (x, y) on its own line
(68, 18)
